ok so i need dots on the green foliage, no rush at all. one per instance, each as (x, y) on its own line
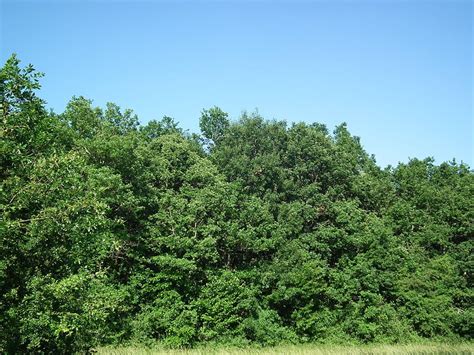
(255, 232)
(154, 129)
(121, 123)
(224, 304)
(267, 329)
(71, 314)
(26, 129)
(167, 319)
(213, 124)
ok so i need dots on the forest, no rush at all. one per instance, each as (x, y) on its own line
(254, 231)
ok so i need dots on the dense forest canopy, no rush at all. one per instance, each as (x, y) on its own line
(256, 231)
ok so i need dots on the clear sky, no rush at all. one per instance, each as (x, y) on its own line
(400, 73)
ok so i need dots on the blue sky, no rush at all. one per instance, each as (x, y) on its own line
(400, 73)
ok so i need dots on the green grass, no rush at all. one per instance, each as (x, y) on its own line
(431, 348)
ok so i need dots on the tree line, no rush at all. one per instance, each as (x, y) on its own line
(253, 232)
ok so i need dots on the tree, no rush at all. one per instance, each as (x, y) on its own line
(213, 124)
(26, 129)
(113, 232)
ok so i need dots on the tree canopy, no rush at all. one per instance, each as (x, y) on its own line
(257, 231)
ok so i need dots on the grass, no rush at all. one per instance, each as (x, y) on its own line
(306, 349)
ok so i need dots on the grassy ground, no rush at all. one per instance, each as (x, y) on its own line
(434, 348)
